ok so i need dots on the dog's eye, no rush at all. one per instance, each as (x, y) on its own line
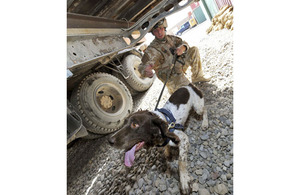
(134, 125)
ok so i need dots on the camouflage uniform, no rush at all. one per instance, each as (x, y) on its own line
(159, 54)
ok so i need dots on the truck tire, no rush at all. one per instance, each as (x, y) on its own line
(130, 68)
(103, 102)
(132, 91)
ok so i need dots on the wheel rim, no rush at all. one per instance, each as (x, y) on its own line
(109, 99)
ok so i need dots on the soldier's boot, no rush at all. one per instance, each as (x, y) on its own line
(201, 79)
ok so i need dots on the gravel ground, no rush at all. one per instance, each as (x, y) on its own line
(94, 167)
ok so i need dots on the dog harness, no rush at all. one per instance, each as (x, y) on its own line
(172, 123)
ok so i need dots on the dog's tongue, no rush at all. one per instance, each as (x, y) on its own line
(129, 156)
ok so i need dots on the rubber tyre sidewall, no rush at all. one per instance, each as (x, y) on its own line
(137, 83)
(132, 91)
(95, 119)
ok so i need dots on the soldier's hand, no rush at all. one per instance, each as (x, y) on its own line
(180, 50)
(148, 71)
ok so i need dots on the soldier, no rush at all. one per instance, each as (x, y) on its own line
(158, 57)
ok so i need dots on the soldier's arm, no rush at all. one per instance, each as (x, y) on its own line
(150, 60)
(182, 46)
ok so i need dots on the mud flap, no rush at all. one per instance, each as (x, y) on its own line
(75, 128)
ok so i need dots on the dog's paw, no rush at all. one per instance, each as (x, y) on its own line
(185, 184)
(185, 188)
(204, 125)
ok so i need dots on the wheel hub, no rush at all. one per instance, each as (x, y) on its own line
(108, 98)
(106, 102)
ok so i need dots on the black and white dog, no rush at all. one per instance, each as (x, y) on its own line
(163, 127)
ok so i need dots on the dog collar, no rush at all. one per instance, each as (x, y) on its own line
(172, 123)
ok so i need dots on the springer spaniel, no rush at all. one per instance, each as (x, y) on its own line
(163, 127)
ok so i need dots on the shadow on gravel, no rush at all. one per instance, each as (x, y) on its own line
(80, 154)
(214, 94)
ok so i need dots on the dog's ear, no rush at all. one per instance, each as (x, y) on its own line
(172, 136)
(163, 126)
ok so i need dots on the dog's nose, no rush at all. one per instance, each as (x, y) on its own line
(111, 140)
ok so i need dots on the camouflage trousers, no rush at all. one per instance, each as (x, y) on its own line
(178, 80)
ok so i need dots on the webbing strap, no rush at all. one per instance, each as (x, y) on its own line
(172, 123)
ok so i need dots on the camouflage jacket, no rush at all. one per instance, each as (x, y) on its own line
(159, 54)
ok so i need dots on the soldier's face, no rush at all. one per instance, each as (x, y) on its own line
(159, 32)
